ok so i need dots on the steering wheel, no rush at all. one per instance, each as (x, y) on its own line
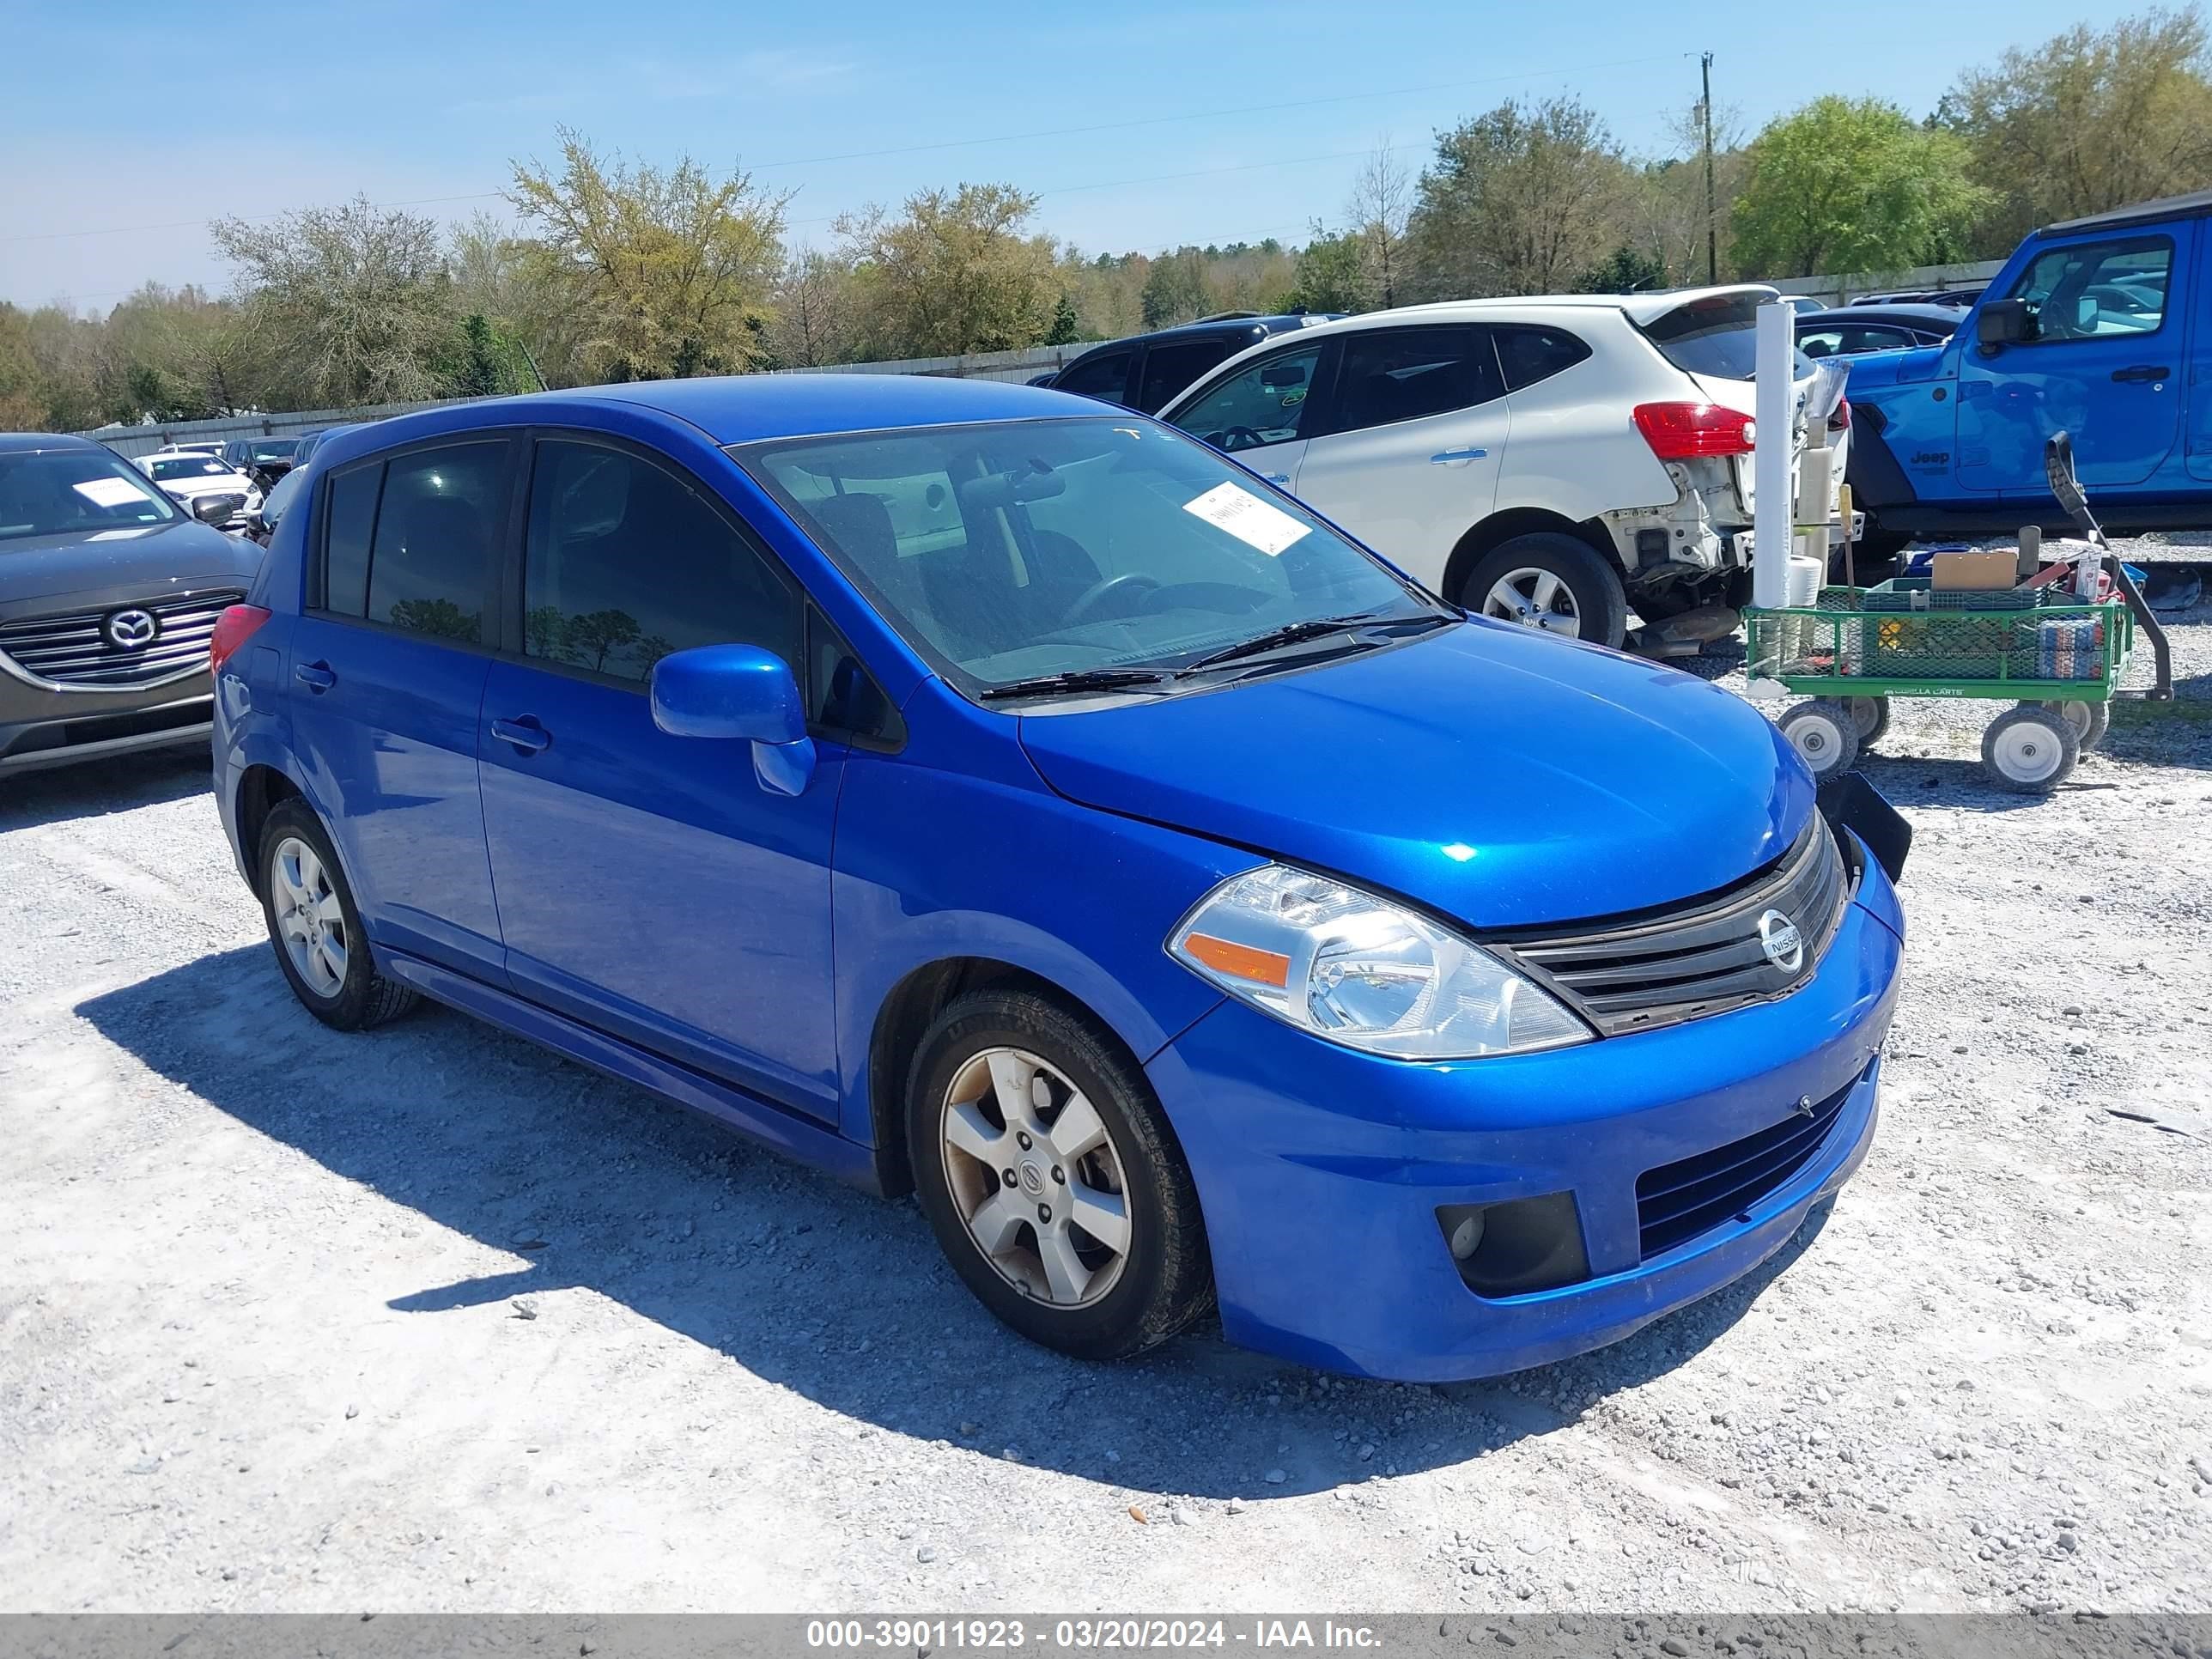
(1237, 438)
(1092, 597)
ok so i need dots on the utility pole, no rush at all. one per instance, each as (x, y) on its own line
(1712, 208)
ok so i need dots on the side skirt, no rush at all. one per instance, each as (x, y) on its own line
(748, 1114)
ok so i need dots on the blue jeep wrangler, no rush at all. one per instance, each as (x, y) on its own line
(2097, 327)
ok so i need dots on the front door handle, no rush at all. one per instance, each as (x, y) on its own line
(2141, 372)
(1450, 457)
(524, 735)
(315, 675)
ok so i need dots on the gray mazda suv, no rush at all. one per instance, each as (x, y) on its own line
(108, 592)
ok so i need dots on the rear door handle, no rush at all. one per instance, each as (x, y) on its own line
(2141, 372)
(315, 675)
(526, 735)
(1446, 456)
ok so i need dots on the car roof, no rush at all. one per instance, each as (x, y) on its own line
(736, 409)
(1639, 308)
(1946, 317)
(16, 443)
(2194, 203)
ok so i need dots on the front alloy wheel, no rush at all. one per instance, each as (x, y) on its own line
(1051, 1177)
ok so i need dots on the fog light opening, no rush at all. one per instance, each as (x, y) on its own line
(1522, 1245)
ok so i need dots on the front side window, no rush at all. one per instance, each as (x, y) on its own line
(1082, 544)
(60, 492)
(430, 561)
(1104, 375)
(1264, 403)
(1403, 374)
(2086, 290)
(1169, 369)
(625, 564)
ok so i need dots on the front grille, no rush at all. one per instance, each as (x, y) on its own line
(75, 649)
(1679, 1200)
(1637, 974)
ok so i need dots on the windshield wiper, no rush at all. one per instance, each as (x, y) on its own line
(1314, 627)
(1075, 680)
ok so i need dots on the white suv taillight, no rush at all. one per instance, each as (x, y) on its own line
(1684, 432)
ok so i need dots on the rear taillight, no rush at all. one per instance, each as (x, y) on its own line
(232, 629)
(1684, 432)
(1841, 419)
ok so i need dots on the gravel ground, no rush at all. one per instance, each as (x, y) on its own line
(429, 1319)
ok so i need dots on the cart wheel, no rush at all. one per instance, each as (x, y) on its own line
(1825, 735)
(2090, 720)
(1871, 716)
(2029, 750)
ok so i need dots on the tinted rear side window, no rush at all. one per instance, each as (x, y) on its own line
(1403, 374)
(1529, 355)
(352, 499)
(1717, 336)
(1169, 369)
(1106, 375)
(431, 561)
(626, 564)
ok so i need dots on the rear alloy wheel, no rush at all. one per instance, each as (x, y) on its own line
(1825, 732)
(2030, 750)
(315, 928)
(1051, 1179)
(2090, 720)
(1549, 580)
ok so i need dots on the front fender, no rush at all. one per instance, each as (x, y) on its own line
(933, 865)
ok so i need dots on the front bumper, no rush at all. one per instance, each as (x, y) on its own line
(39, 728)
(1320, 1170)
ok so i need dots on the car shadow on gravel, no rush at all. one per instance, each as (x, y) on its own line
(95, 787)
(590, 1184)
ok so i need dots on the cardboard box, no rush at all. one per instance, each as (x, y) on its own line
(1956, 572)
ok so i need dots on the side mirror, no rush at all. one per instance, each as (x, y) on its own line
(2002, 323)
(742, 693)
(211, 509)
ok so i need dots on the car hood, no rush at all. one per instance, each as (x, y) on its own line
(1872, 370)
(123, 564)
(233, 485)
(1493, 773)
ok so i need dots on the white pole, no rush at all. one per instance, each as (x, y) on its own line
(1773, 407)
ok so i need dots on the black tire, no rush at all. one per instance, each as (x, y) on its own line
(2029, 750)
(1165, 1278)
(1595, 587)
(1872, 717)
(1825, 735)
(362, 998)
(2090, 720)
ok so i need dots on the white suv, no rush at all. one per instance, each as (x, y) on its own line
(1548, 461)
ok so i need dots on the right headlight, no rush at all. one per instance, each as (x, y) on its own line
(1363, 970)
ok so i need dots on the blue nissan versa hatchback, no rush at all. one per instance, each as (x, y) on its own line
(968, 789)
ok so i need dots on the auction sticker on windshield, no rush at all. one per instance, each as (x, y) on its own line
(108, 492)
(1248, 518)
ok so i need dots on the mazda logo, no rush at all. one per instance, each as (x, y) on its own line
(130, 630)
(1785, 945)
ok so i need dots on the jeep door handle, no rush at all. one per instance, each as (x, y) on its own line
(526, 735)
(315, 675)
(1448, 456)
(2141, 373)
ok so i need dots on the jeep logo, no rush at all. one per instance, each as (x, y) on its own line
(1932, 458)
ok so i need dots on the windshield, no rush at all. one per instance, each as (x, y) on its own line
(54, 492)
(167, 467)
(1008, 551)
(273, 449)
(1717, 336)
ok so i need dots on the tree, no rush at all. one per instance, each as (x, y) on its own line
(815, 313)
(1381, 206)
(1852, 185)
(353, 303)
(1065, 329)
(1334, 274)
(668, 270)
(1175, 289)
(1522, 200)
(2087, 122)
(955, 273)
(1624, 270)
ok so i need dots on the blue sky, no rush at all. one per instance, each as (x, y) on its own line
(122, 120)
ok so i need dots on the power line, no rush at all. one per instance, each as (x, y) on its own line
(944, 144)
